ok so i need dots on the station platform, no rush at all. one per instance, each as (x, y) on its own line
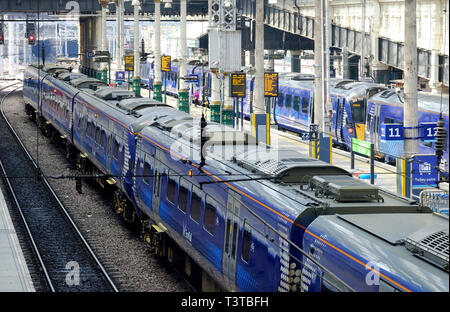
(14, 274)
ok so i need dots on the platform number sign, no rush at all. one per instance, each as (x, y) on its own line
(391, 132)
(428, 131)
(90, 54)
(120, 76)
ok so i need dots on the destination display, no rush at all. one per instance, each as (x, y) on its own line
(166, 63)
(238, 84)
(129, 62)
(271, 84)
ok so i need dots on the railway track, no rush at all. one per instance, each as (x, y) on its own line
(65, 258)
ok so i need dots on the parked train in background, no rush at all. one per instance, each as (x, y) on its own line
(249, 218)
(353, 114)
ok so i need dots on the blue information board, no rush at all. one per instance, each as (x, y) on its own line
(428, 131)
(391, 132)
(90, 54)
(424, 173)
(120, 76)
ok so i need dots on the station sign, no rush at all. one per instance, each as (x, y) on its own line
(101, 53)
(166, 63)
(120, 76)
(361, 147)
(90, 54)
(101, 60)
(271, 84)
(238, 83)
(129, 62)
(391, 132)
(424, 173)
(428, 131)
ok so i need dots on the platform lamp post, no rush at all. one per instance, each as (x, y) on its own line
(136, 78)
(104, 69)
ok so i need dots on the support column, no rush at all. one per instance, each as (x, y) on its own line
(227, 110)
(271, 60)
(296, 62)
(119, 35)
(215, 96)
(137, 69)
(183, 95)
(437, 38)
(410, 77)
(104, 68)
(345, 66)
(157, 84)
(11, 37)
(318, 65)
(260, 117)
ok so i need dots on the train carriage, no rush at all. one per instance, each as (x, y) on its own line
(387, 108)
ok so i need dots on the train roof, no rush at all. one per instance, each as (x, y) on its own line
(413, 247)
(67, 76)
(286, 175)
(426, 100)
(87, 83)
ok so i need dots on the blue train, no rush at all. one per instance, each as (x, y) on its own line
(353, 108)
(233, 214)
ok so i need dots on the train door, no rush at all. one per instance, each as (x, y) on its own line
(340, 107)
(376, 127)
(109, 151)
(231, 238)
(156, 196)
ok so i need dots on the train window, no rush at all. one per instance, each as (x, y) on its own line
(97, 134)
(296, 103)
(171, 190)
(209, 221)
(196, 205)
(358, 112)
(116, 150)
(183, 196)
(305, 105)
(280, 99)
(288, 101)
(147, 173)
(246, 239)
(227, 236)
(89, 129)
(156, 185)
(103, 139)
(388, 120)
(233, 249)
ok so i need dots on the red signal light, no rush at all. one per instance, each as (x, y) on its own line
(31, 39)
(2, 41)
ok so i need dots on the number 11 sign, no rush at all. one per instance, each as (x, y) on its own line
(391, 132)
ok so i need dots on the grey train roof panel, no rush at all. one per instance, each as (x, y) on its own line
(426, 100)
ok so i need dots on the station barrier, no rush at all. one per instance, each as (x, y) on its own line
(435, 199)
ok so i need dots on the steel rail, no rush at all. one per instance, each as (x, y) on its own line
(83, 240)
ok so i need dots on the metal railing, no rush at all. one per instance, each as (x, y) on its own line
(435, 199)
